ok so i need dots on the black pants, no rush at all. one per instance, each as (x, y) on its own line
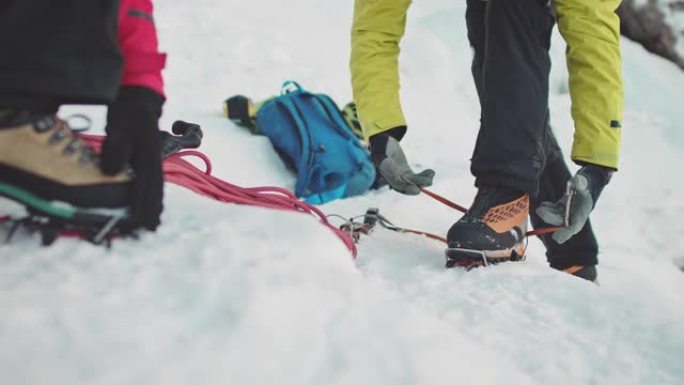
(54, 52)
(515, 147)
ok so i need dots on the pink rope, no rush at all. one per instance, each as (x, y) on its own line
(179, 171)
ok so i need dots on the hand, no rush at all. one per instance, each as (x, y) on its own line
(391, 163)
(133, 139)
(572, 211)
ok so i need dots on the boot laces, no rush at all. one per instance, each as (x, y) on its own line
(61, 131)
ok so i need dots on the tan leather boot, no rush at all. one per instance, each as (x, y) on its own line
(43, 156)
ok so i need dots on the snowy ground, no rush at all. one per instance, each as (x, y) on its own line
(238, 295)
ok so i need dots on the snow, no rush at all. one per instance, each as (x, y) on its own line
(241, 295)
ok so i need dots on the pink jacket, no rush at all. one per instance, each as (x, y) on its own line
(137, 37)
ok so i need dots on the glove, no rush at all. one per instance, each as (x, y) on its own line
(391, 163)
(572, 211)
(134, 140)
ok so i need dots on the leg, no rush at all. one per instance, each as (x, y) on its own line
(514, 94)
(475, 21)
(582, 249)
(58, 52)
(510, 67)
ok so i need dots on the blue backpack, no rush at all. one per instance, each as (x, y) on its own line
(310, 134)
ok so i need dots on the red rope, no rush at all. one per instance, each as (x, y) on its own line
(429, 235)
(181, 172)
(443, 200)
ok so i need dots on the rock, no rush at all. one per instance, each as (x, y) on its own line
(654, 25)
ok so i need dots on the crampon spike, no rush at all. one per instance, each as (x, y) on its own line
(470, 259)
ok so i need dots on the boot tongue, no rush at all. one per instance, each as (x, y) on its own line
(488, 197)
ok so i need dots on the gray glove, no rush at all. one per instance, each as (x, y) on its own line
(391, 163)
(572, 211)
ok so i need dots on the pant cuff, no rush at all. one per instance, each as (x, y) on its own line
(513, 183)
(562, 263)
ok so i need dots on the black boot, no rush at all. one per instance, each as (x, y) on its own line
(493, 230)
(587, 272)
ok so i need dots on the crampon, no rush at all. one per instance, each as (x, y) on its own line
(56, 219)
(467, 259)
(471, 259)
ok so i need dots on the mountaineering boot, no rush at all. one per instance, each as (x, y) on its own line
(493, 230)
(241, 110)
(585, 272)
(42, 159)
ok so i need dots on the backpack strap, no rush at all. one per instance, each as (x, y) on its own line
(290, 86)
(305, 167)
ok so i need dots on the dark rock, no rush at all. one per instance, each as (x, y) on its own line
(647, 25)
